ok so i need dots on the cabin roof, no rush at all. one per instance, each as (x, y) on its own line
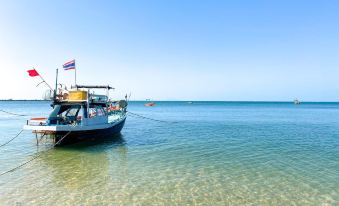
(92, 86)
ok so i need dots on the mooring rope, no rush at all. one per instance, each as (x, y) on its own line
(11, 113)
(11, 139)
(143, 117)
(23, 164)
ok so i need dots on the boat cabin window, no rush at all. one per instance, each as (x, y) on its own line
(100, 111)
(96, 110)
(66, 114)
(69, 111)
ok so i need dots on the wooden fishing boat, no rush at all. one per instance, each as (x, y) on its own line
(80, 114)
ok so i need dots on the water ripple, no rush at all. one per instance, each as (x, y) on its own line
(219, 154)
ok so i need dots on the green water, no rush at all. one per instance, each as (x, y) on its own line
(219, 153)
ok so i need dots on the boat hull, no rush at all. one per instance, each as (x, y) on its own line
(84, 135)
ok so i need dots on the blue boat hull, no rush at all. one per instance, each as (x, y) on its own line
(87, 135)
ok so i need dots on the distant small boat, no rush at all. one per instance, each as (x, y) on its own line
(296, 101)
(189, 102)
(150, 104)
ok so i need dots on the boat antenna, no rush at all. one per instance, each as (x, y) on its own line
(129, 96)
(56, 84)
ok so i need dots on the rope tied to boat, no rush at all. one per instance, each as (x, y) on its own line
(33, 158)
(17, 135)
(11, 113)
(156, 120)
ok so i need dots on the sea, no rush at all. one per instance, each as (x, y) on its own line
(199, 153)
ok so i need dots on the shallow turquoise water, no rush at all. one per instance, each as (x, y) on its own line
(219, 153)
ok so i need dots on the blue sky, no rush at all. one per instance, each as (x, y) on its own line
(175, 50)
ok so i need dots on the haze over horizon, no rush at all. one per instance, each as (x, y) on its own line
(174, 50)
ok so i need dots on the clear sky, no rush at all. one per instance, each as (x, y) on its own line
(175, 50)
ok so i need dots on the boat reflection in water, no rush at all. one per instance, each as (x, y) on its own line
(87, 163)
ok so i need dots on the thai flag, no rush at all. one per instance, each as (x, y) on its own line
(69, 65)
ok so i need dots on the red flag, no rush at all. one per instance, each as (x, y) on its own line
(32, 73)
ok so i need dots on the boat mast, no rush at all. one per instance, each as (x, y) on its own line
(56, 84)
